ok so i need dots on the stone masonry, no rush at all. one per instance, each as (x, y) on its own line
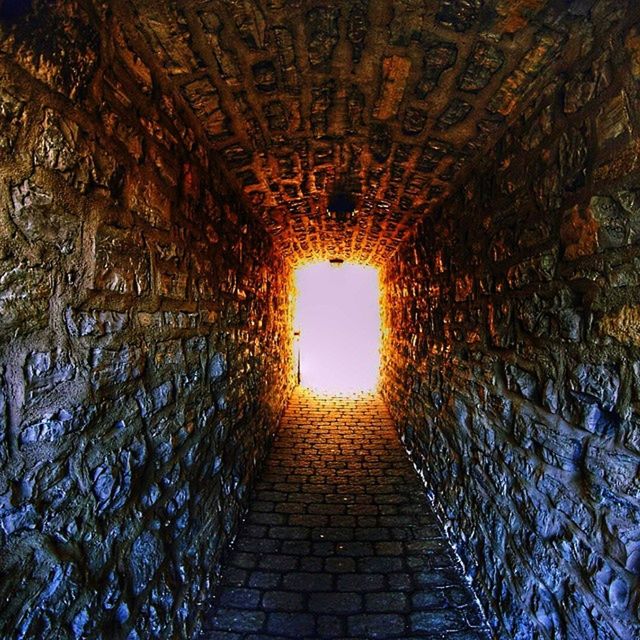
(339, 541)
(143, 366)
(165, 165)
(389, 99)
(513, 370)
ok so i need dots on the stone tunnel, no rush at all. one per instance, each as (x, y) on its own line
(166, 166)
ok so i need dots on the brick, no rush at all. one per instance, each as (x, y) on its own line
(352, 586)
(240, 598)
(376, 625)
(308, 581)
(267, 518)
(379, 565)
(430, 599)
(264, 579)
(243, 560)
(384, 602)
(282, 601)
(238, 620)
(330, 627)
(337, 603)
(289, 533)
(311, 564)
(437, 621)
(292, 625)
(360, 582)
(278, 562)
(340, 565)
(235, 577)
(258, 545)
(296, 548)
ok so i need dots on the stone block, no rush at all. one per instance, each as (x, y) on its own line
(41, 219)
(45, 370)
(540, 268)
(438, 57)
(145, 558)
(523, 382)
(579, 233)
(599, 381)
(11, 109)
(95, 323)
(286, 57)
(321, 26)
(25, 290)
(264, 76)
(611, 221)
(573, 159)
(204, 98)
(60, 49)
(407, 22)
(459, 15)
(578, 91)
(277, 116)
(394, 75)
(623, 325)
(53, 426)
(121, 262)
(613, 119)
(322, 98)
(543, 52)
(357, 28)
(414, 121)
(455, 112)
(484, 62)
(149, 202)
(110, 367)
(380, 142)
(111, 483)
(250, 22)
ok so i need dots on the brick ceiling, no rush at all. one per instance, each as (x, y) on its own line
(391, 101)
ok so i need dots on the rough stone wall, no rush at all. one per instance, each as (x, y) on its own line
(144, 356)
(387, 100)
(512, 364)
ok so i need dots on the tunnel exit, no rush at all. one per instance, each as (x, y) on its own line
(337, 325)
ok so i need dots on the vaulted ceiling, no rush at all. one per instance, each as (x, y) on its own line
(392, 101)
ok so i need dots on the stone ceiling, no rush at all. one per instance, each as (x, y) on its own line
(390, 100)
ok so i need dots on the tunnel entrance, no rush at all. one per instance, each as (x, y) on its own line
(337, 323)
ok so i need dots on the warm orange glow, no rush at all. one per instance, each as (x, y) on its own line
(338, 317)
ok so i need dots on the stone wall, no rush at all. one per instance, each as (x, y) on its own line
(144, 356)
(386, 100)
(513, 366)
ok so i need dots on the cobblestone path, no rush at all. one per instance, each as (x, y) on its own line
(340, 542)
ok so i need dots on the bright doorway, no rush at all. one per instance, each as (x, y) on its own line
(337, 320)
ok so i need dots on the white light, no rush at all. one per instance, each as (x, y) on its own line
(338, 316)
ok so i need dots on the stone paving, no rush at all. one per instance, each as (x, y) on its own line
(339, 541)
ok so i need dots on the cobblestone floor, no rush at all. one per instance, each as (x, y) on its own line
(339, 541)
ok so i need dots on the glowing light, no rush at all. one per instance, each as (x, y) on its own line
(338, 317)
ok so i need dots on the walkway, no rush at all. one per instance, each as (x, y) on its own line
(339, 541)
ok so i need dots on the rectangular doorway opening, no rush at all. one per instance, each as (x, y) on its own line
(337, 327)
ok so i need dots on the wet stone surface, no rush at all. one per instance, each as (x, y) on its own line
(339, 542)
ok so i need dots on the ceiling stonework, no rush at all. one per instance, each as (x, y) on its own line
(392, 101)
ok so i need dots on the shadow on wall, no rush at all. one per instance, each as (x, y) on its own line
(14, 9)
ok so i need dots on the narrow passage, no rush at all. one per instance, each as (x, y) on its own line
(340, 542)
